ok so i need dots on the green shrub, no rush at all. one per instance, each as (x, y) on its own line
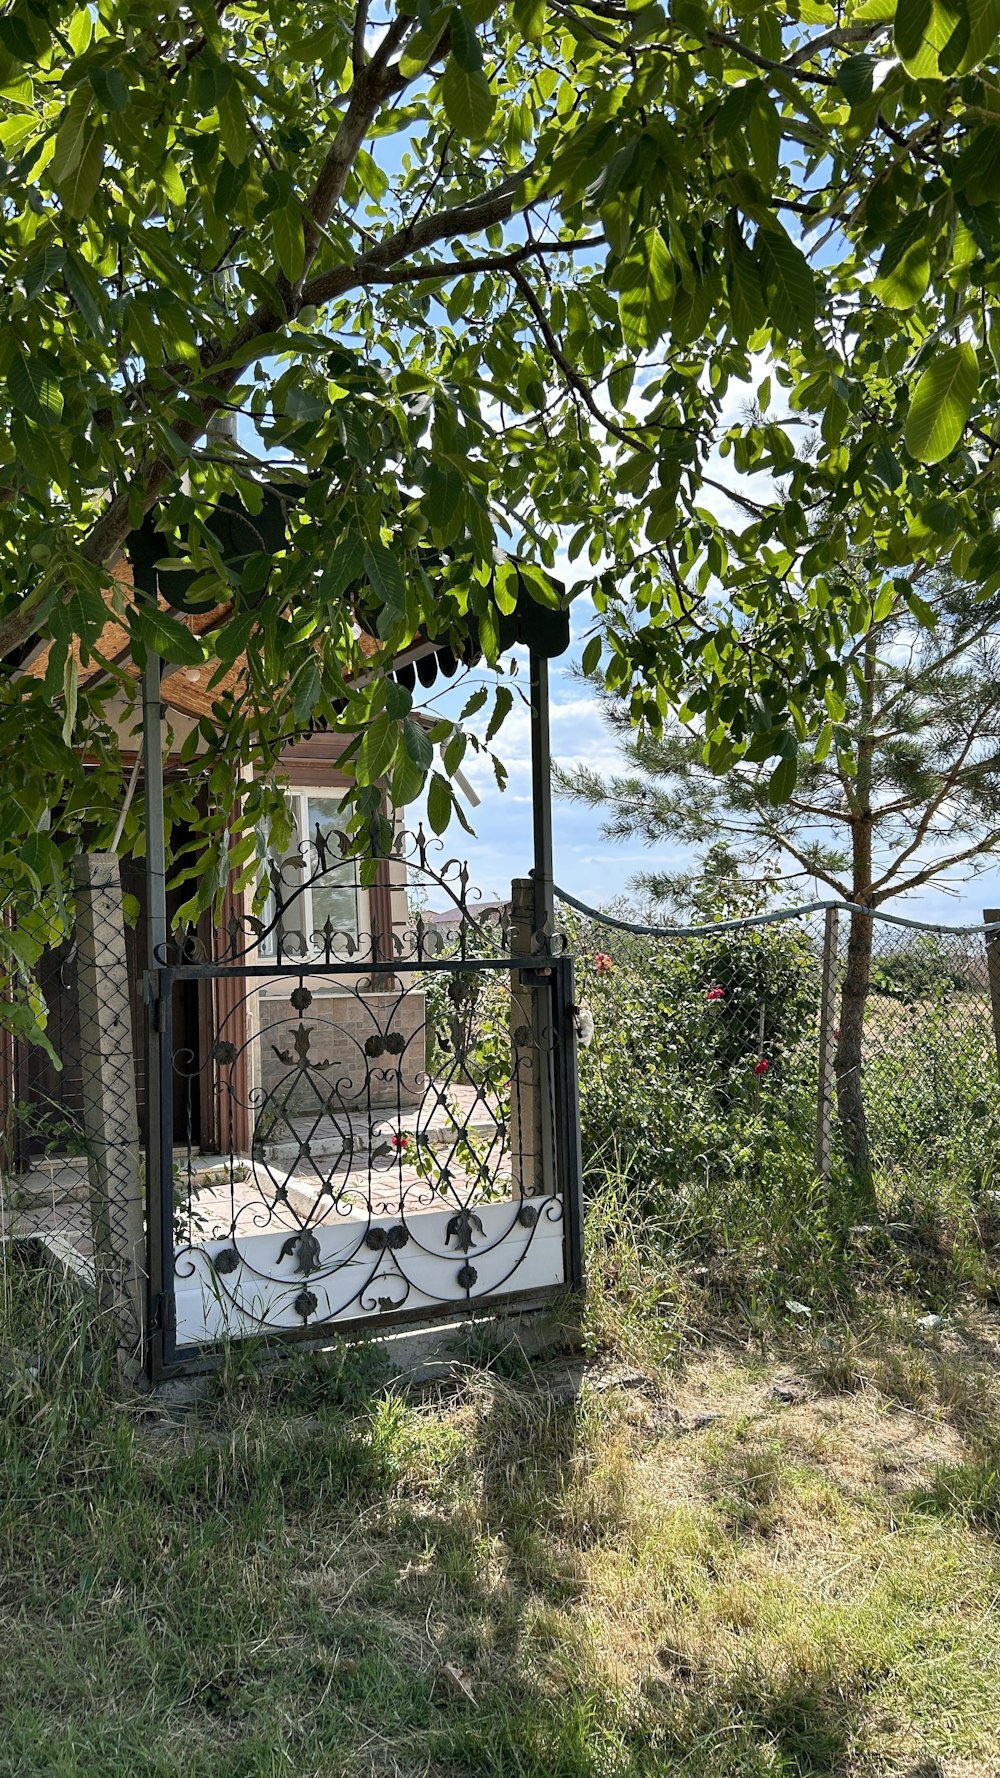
(702, 1067)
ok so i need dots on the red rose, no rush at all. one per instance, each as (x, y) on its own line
(602, 962)
(762, 1066)
(716, 994)
(399, 1142)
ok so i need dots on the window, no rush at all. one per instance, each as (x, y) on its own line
(332, 896)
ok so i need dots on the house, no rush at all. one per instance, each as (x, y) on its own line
(295, 1099)
(366, 921)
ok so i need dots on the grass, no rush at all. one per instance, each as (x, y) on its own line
(749, 1556)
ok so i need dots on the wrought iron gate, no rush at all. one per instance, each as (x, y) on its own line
(390, 1122)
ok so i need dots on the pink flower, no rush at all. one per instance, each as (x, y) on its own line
(716, 994)
(761, 1067)
(399, 1142)
(602, 962)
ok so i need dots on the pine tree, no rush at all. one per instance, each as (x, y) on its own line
(903, 790)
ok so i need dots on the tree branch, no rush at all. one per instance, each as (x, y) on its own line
(571, 374)
(358, 41)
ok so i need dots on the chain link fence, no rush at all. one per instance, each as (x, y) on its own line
(71, 1105)
(822, 1042)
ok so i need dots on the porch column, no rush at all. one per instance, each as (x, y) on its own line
(109, 1105)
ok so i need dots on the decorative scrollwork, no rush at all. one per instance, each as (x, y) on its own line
(386, 1150)
(379, 1238)
(464, 1226)
(306, 1250)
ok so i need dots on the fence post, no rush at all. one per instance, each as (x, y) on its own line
(827, 1044)
(990, 916)
(109, 1105)
(531, 1111)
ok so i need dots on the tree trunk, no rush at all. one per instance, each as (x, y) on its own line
(857, 977)
(850, 1097)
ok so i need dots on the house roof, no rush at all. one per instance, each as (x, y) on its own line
(186, 689)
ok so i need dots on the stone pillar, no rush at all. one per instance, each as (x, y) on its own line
(109, 1105)
(531, 1107)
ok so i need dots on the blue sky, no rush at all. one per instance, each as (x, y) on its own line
(586, 864)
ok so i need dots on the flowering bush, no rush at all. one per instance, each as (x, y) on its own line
(687, 1033)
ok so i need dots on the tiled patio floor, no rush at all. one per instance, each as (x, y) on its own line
(358, 1166)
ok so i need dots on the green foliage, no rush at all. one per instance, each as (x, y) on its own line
(699, 1084)
(424, 266)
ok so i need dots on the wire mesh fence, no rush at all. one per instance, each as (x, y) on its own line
(744, 1052)
(71, 1168)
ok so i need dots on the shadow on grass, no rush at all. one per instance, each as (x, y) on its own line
(550, 1704)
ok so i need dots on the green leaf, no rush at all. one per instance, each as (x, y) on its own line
(646, 290)
(984, 28)
(746, 298)
(110, 88)
(34, 388)
(385, 574)
(439, 803)
(505, 587)
(308, 687)
(529, 17)
(540, 586)
(234, 127)
(289, 241)
(16, 38)
(931, 36)
(78, 160)
(85, 290)
(166, 636)
(489, 635)
(464, 43)
(855, 77)
(502, 707)
(885, 465)
(941, 403)
(377, 750)
(788, 281)
(423, 43)
(977, 171)
(468, 101)
(71, 680)
(417, 744)
(924, 613)
(407, 780)
(782, 780)
(591, 656)
(344, 565)
(444, 503)
(905, 266)
(42, 269)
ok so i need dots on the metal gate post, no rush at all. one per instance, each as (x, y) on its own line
(569, 1158)
(159, 1172)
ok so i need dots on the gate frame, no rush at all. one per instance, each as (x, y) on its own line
(549, 973)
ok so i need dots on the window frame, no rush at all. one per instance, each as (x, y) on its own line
(300, 917)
